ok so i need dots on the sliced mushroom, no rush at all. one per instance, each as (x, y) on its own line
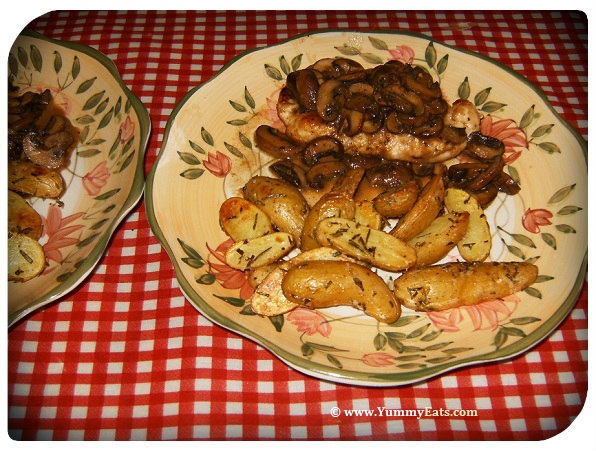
(322, 174)
(422, 83)
(394, 124)
(506, 184)
(433, 127)
(484, 147)
(275, 143)
(351, 122)
(304, 85)
(321, 147)
(486, 195)
(290, 172)
(330, 100)
(346, 66)
(389, 174)
(46, 150)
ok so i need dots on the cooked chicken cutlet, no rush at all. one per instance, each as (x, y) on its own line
(303, 126)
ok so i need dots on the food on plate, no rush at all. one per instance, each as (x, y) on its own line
(260, 251)
(269, 299)
(437, 240)
(243, 220)
(26, 258)
(283, 203)
(375, 247)
(394, 110)
(476, 243)
(40, 139)
(319, 284)
(423, 212)
(30, 179)
(365, 183)
(22, 217)
(456, 284)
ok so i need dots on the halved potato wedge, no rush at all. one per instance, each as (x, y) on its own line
(268, 298)
(442, 235)
(331, 205)
(26, 258)
(22, 217)
(426, 208)
(243, 220)
(365, 244)
(260, 251)
(29, 178)
(320, 284)
(457, 284)
(396, 202)
(476, 243)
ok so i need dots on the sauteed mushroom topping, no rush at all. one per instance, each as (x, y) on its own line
(402, 97)
(390, 99)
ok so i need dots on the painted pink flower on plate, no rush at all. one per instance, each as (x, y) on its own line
(59, 231)
(127, 129)
(96, 179)
(218, 164)
(270, 113)
(378, 359)
(484, 316)
(309, 322)
(533, 219)
(402, 53)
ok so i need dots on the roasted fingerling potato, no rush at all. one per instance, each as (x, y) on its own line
(437, 240)
(457, 284)
(22, 217)
(365, 244)
(396, 202)
(31, 179)
(243, 220)
(426, 208)
(331, 205)
(284, 204)
(260, 251)
(268, 298)
(476, 244)
(321, 284)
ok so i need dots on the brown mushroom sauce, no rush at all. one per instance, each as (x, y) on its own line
(38, 131)
(398, 97)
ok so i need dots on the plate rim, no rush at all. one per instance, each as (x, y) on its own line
(343, 376)
(80, 274)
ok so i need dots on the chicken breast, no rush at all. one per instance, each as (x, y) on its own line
(302, 127)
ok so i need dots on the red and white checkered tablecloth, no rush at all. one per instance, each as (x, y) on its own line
(126, 357)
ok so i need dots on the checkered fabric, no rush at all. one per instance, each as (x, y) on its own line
(126, 357)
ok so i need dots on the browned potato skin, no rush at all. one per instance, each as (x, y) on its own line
(368, 216)
(371, 246)
(457, 284)
(22, 217)
(268, 298)
(424, 211)
(320, 284)
(442, 235)
(397, 202)
(331, 205)
(28, 178)
(242, 220)
(284, 204)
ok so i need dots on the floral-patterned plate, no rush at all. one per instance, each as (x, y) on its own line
(209, 152)
(105, 178)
